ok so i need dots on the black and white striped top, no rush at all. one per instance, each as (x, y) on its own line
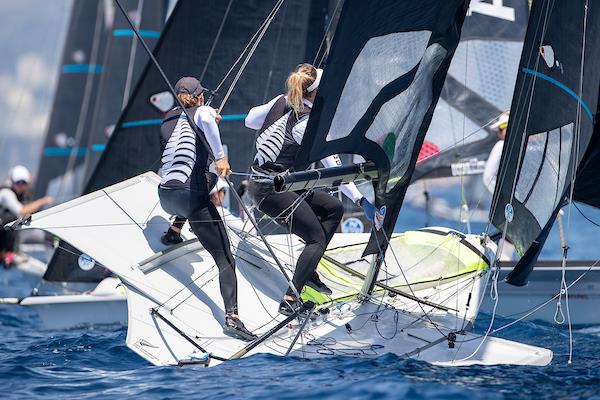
(184, 158)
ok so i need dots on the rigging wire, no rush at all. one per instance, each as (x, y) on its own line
(575, 159)
(249, 56)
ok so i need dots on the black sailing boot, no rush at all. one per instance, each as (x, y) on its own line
(171, 237)
(235, 328)
(316, 283)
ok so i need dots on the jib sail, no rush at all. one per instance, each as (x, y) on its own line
(550, 139)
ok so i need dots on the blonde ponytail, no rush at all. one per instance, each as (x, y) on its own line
(297, 83)
(188, 100)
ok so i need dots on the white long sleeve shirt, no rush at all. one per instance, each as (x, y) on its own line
(492, 165)
(256, 118)
(205, 119)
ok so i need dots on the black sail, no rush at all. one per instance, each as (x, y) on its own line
(122, 60)
(71, 114)
(551, 129)
(383, 77)
(183, 50)
(478, 87)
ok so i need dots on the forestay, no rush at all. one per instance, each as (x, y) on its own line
(384, 74)
(551, 130)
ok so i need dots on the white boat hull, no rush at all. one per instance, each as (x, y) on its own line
(107, 304)
(544, 284)
(175, 306)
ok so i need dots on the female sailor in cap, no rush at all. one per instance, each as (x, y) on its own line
(313, 216)
(184, 188)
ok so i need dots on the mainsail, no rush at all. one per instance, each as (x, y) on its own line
(478, 88)
(71, 113)
(384, 74)
(550, 139)
(122, 65)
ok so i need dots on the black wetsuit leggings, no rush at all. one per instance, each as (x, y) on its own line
(315, 220)
(208, 227)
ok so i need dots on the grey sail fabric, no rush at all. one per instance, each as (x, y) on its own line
(60, 171)
(123, 60)
(383, 77)
(478, 87)
(550, 140)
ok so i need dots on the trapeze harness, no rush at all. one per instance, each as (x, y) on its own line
(314, 216)
(184, 189)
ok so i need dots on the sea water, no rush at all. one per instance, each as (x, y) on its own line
(95, 363)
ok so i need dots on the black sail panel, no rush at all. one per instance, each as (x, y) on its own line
(478, 88)
(551, 124)
(124, 60)
(70, 118)
(183, 50)
(382, 80)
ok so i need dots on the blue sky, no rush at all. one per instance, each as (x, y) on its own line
(32, 33)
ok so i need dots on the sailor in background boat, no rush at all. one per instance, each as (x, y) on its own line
(13, 205)
(313, 216)
(490, 173)
(183, 190)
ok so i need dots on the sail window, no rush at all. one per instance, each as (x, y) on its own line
(400, 118)
(543, 177)
(382, 60)
(532, 163)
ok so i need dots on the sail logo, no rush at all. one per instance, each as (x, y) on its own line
(495, 9)
(547, 53)
(163, 101)
(353, 225)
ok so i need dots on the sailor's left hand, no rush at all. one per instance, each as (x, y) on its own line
(218, 117)
(371, 212)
